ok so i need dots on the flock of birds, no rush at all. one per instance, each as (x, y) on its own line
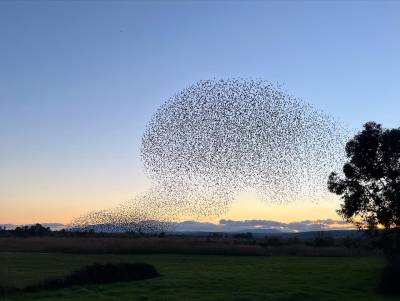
(217, 138)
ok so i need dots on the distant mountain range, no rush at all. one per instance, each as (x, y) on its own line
(256, 227)
(275, 233)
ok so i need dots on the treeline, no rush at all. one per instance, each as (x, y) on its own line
(27, 231)
(39, 230)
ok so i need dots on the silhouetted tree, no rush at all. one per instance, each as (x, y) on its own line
(370, 187)
(34, 230)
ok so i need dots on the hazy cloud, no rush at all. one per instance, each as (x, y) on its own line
(237, 226)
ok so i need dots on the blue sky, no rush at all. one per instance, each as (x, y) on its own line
(79, 80)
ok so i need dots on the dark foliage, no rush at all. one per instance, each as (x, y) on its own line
(370, 187)
(389, 280)
(247, 235)
(99, 274)
(388, 240)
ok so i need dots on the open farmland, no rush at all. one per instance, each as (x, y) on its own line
(201, 277)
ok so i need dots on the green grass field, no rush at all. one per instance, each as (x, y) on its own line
(198, 277)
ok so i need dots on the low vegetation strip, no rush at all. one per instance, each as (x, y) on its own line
(269, 246)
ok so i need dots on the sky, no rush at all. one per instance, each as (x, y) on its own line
(79, 80)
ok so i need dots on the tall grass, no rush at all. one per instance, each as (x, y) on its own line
(7, 279)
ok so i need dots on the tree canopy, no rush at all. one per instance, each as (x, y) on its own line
(370, 182)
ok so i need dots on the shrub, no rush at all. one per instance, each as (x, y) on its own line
(99, 274)
(273, 241)
(389, 278)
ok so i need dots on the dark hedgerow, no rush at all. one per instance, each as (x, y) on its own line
(99, 274)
